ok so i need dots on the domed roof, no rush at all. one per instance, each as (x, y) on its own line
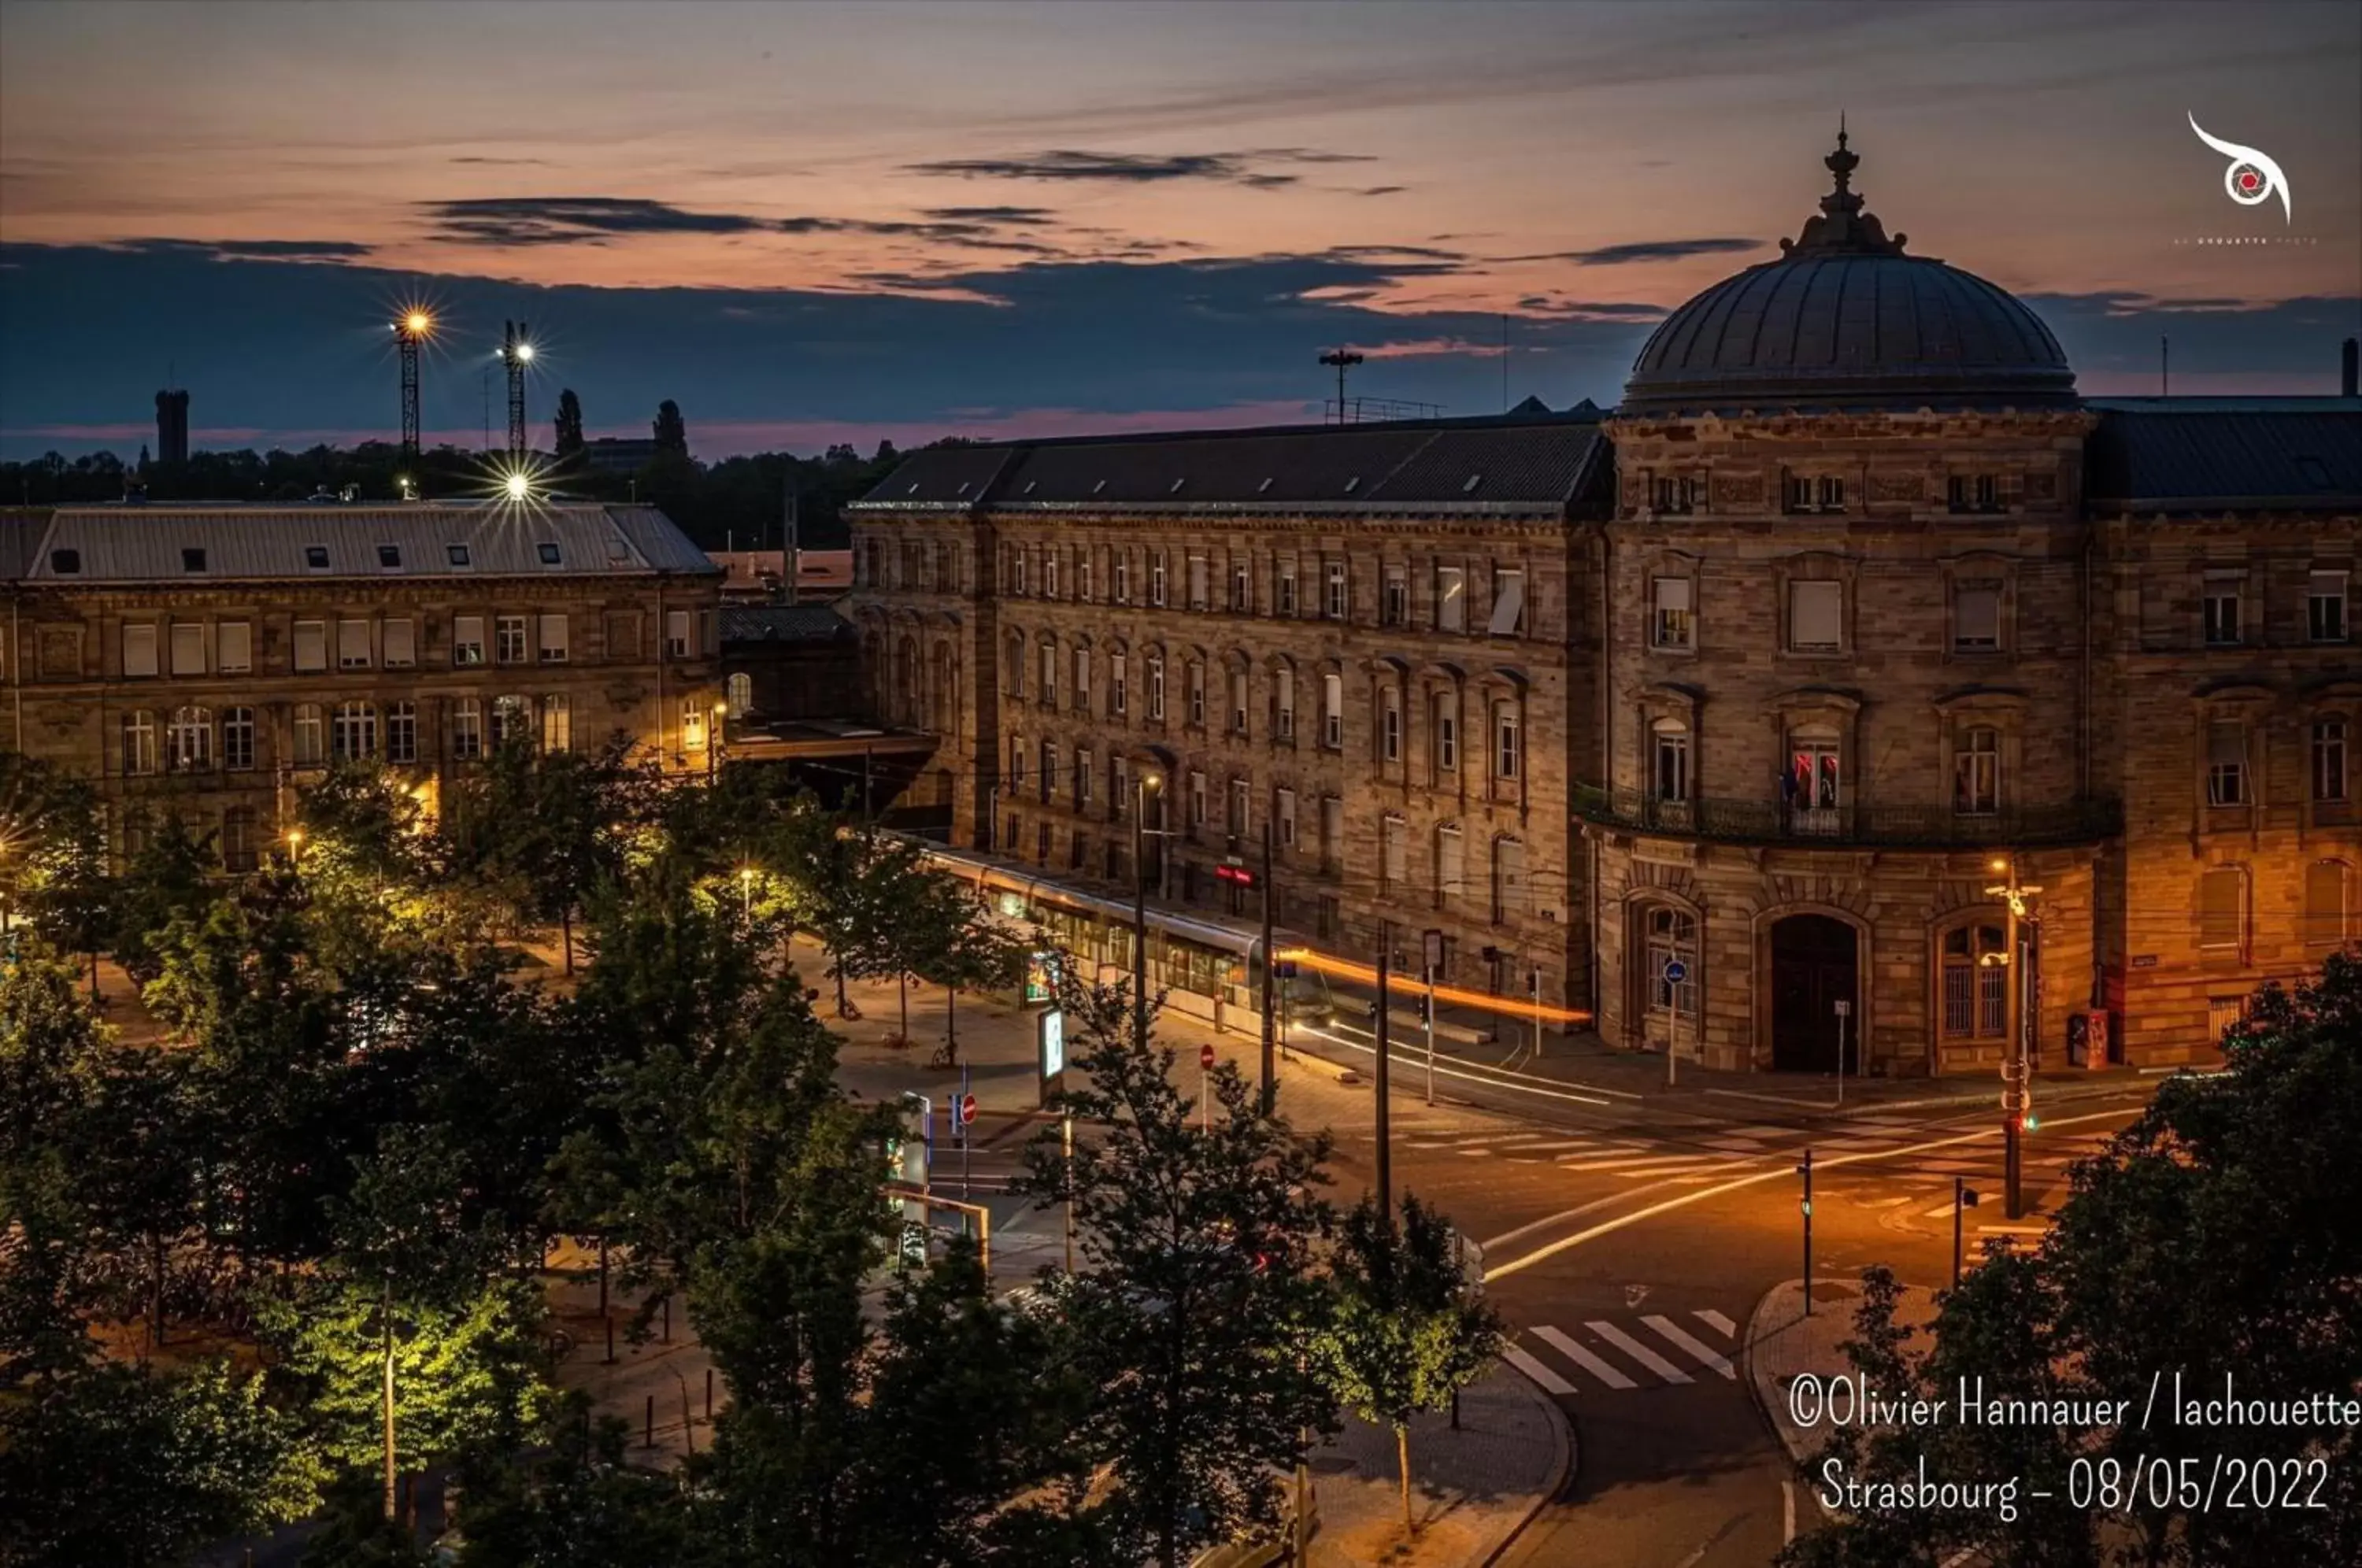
(1844, 319)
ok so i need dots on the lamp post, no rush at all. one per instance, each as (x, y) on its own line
(746, 892)
(2014, 1087)
(294, 846)
(1142, 783)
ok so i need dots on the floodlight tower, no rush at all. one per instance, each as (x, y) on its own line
(1344, 359)
(516, 354)
(409, 332)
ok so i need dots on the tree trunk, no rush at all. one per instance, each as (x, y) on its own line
(1402, 1464)
(902, 995)
(566, 931)
(389, 1402)
(844, 1003)
(951, 1025)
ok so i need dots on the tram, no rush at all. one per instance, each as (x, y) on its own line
(1208, 966)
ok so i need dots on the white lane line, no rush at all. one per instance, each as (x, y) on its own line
(1718, 1322)
(1553, 1147)
(2016, 1230)
(1607, 1227)
(1627, 1163)
(1680, 1338)
(1492, 1082)
(1638, 1351)
(1599, 1368)
(1677, 1173)
(1939, 1212)
(1551, 1382)
(1475, 1153)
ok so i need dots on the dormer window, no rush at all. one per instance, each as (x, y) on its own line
(389, 557)
(457, 556)
(192, 558)
(548, 550)
(2316, 472)
(1352, 484)
(1474, 480)
(66, 563)
(315, 558)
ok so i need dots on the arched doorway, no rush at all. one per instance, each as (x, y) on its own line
(1814, 965)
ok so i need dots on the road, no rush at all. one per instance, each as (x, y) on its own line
(1626, 1246)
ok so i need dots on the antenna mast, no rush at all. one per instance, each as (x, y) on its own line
(516, 354)
(1344, 359)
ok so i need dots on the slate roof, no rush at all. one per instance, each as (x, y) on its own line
(2244, 455)
(1539, 462)
(783, 623)
(148, 543)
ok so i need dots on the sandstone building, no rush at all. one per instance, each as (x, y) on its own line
(1853, 611)
(205, 659)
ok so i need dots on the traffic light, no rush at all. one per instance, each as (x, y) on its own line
(1426, 1009)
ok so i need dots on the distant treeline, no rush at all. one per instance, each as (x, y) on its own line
(739, 501)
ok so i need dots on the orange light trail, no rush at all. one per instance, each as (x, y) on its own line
(1484, 1001)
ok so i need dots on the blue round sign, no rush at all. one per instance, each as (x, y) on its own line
(1675, 971)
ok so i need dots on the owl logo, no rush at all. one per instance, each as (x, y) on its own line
(2252, 178)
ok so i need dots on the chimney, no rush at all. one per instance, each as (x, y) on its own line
(2345, 370)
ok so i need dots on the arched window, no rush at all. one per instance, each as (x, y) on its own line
(1975, 983)
(741, 690)
(1666, 935)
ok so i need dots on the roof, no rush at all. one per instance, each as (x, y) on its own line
(2226, 455)
(1525, 462)
(783, 623)
(185, 542)
(1844, 319)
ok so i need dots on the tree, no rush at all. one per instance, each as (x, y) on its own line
(2219, 1236)
(168, 879)
(671, 432)
(1197, 1297)
(569, 442)
(1407, 1330)
(963, 947)
(53, 861)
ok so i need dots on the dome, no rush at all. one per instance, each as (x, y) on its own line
(1844, 319)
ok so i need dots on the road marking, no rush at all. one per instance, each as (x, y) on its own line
(1683, 1339)
(1638, 1351)
(1490, 1082)
(1677, 1173)
(1736, 1145)
(2016, 1230)
(1606, 1226)
(1625, 1162)
(1598, 1367)
(1718, 1322)
(1475, 1153)
(1551, 1382)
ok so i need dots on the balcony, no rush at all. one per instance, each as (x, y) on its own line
(1903, 826)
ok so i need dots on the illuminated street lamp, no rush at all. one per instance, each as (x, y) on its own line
(1142, 782)
(746, 890)
(2016, 1111)
(295, 845)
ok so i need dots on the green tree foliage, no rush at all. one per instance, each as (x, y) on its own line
(2219, 1236)
(53, 868)
(671, 431)
(574, 1499)
(566, 432)
(118, 1464)
(49, 1064)
(168, 880)
(1197, 1297)
(1406, 1328)
(959, 945)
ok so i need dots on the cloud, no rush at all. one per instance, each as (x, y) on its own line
(503, 162)
(1139, 167)
(251, 249)
(1376, 190)
(1644, 251)
(991, 215)
(572, 220)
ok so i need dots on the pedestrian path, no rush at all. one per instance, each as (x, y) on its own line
(1627, 1352)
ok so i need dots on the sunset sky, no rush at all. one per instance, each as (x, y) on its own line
(811, 223)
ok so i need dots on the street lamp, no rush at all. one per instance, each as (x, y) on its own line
(295, 845)
(2014, 1094)
(746, 892)
(1142, 782)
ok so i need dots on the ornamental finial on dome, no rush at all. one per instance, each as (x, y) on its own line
(1843, 226)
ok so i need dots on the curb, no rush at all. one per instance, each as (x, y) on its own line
(1746, 1364)
(1565, 1455)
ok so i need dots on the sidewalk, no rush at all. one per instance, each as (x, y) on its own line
(1783, 1344)
(1472, 1490)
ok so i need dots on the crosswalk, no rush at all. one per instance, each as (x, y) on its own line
(1630, 1158)
(1633, 1354)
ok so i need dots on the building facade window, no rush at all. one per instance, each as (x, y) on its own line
(311, 735)
(1394, 603)
(1816, 617)
(1049, 770)
(555, 638)
(1669, 769)
(1506, 751)
(238, 739)
(311, 647)
(2223, 910)
(1157, 578)
(1450, 599)
(1976, 617)
(1049, 675)
(1508, 880)
(557, 723)
(1122, 568)
(1445, 729)
(1508, 602)
(352, 645)
(1394, 858)
(2219, 611)
(401, 639)
(239, 839)
(2227, 763)
(1976, 772)
(1156, 686)
(1201, 583)
(1283, 816)
(519, 723)
(1240, 818)
(1238, 701)
(1084, 766)
(1083, 679)
(467, 730)
(401, 732)
(1814, 785)
(1333, 712)
(1390, 726)
(140, 651)
(467, 640)
(1285, 593)
(190, 741)
(234, 647)
(2324, 607)
(2327, 761)
(1283, 718)
(352, 733)
(508, 639)
(2326, 903)
(1972, 492)
(1197, 801)
(1975, 981)
(1450, 863)
(1050, 573)
(1241, 587)
(188, 647)
(676, 634)
(1332, 831)
(739, 693)
(1672, 622)
(1015, 663)
(1118, 694)
(1332, 591)
(1196, 695)
(1669, 935)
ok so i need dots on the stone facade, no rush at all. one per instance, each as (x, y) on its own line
(211, 700)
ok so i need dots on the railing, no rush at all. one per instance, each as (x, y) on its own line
(1773, 821)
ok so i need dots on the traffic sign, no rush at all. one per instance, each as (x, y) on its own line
(1205, 1056)
(1675, 971)
(966, 1109)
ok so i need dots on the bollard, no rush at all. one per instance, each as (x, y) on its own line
(667, 1319)
(648, 1432)
(611, 1341)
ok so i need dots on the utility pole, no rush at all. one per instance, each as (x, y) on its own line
(1270, 1084)
(1806, 1170)
(1385, 1144)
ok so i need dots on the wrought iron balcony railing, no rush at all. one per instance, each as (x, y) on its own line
(1874, 823)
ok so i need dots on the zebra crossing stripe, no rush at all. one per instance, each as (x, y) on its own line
(1702, 1170)
(1638, 1351)
(1718, 1323)
(1625, 1162)
(1597, 1366)
(1680, 1338)
(1551, 1382)
(1939, 1212)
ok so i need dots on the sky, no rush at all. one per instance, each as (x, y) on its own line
(816, 223)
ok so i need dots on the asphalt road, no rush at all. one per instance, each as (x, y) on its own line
(1627, 1247)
